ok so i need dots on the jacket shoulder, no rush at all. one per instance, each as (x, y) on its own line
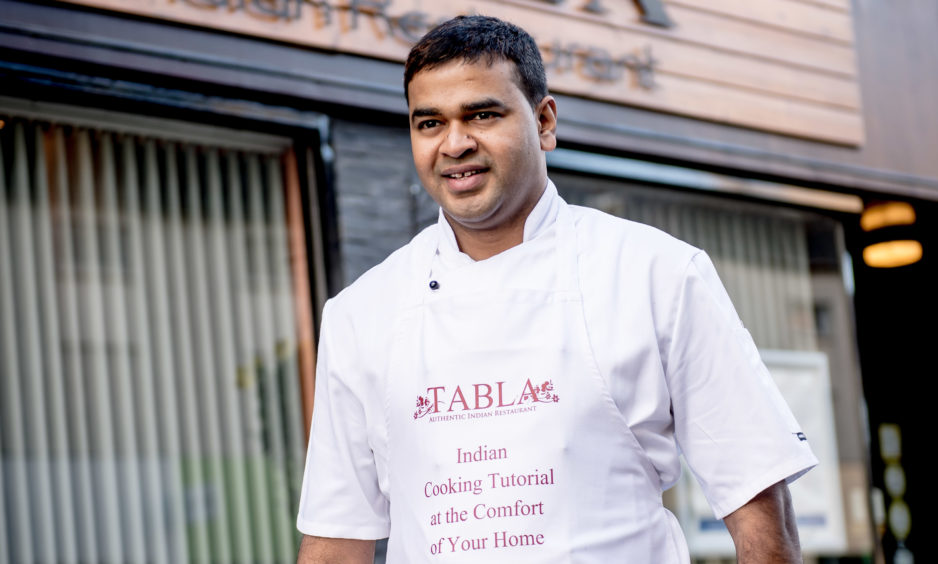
(613, 238)
(385, 286)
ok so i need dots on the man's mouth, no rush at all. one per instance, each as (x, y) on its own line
(465, 174)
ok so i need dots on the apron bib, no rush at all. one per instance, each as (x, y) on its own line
(504, 443)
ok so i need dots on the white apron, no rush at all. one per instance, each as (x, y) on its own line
(504, 443)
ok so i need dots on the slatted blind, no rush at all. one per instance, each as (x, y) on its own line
(150, 401)
(760, 253)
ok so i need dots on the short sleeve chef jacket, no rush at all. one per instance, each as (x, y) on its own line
(681, 367)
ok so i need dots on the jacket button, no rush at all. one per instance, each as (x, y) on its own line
(434, 285)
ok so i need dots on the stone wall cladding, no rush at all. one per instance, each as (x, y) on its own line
(381, 204)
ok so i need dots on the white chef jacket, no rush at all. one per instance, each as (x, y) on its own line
(679, 364)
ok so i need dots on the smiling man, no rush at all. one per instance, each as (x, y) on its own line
(478, 145)
(517, 383)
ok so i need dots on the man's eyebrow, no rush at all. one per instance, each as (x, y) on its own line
(424, 112)
(482, 105)
(467, 108)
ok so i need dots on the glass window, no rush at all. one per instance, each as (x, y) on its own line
(151, 293)
(786, 271)
(761, 252)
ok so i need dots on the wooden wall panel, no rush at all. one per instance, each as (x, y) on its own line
(745, 72)
(839, 5)
(801, 18)
(718, 103)
(760, 41)
(786, 66)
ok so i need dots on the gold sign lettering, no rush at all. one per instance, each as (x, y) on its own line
(652, 10)
(653, 13)
(721, 64)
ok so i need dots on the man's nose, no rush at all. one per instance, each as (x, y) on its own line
(458, 142)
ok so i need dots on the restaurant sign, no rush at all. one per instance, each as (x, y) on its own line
(666, 57)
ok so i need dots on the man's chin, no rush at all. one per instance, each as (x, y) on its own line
(474, 219)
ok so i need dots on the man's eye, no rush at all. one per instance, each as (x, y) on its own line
(427, 124)
(484, 115)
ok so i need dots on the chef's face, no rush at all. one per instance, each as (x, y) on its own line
(478, 144)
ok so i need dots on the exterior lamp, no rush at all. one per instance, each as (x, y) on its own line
(891, 241)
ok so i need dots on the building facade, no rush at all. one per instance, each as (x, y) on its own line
(183, 183)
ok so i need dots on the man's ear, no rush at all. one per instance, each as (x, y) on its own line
(546, 114)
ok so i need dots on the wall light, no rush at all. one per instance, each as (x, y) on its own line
(887, 214)
(890, 244)
(890, 254)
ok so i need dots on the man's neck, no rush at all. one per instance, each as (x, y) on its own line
(481, 244)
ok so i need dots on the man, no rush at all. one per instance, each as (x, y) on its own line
(515, 384)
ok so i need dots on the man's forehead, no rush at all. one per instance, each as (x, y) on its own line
(481, 62)
(465, 70)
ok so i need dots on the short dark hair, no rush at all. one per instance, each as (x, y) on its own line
(470, 38)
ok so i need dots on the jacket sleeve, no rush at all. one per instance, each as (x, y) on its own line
(736, 432)
(340, 497)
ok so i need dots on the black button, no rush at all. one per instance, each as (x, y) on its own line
(434, 285)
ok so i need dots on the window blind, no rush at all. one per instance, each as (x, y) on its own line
(150, 392)
(760, 252)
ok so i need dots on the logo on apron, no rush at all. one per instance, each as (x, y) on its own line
(481, 399)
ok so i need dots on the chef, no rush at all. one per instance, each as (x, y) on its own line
(516, 384)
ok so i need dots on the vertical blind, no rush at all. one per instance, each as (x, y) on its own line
(761, 253)
(150, 404)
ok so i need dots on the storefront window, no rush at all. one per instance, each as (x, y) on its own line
(761, 253)
(786, 271)
(149, 344)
